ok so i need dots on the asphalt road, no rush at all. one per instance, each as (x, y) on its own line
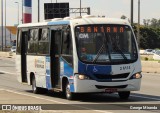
(13, 92)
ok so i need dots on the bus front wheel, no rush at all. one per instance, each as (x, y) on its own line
(124, 94)
(68, 93)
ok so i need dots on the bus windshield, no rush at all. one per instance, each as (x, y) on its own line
(105, 43)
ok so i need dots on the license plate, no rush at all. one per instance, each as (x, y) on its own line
(112, 90)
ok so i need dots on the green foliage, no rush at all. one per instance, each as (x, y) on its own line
(149, 38)
(149, 34)
(155, 23)
(145, 58)
(123, 17)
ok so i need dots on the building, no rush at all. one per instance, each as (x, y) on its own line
(10, 35)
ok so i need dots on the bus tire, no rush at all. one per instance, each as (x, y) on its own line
(124, 95)
(69, 95)
(35, 89)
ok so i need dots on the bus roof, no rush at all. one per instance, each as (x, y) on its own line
(79, 21)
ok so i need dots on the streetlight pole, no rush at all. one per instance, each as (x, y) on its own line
(131, 12)
(2, 22)
(38, 11)
(18, 12)
(80, 7)
(138, 28)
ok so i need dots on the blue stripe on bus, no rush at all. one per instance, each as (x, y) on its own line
(48, 77)
(92, 70)
(58, 22)
(28, 3)
(48, 82)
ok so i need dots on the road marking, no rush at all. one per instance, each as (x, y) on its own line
(54, 101)
(7, 72)
(145, 97)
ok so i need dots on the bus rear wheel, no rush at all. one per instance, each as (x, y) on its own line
(124, 94)
(68, 93)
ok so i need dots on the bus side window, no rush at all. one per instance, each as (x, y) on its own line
(43, 44)
(67, 43)
(33, 40)
(67, 49)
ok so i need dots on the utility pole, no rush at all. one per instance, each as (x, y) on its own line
(22, 11)
(80, 7)
(2, 22)
(5, 26)
(131, 12)
(138, 27)
(38, 11)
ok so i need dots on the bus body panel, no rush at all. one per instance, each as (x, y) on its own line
(18, 68)
(39, 66)
(86, 86)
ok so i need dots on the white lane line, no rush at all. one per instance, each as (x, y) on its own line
(54, 101)
(145, 97)
(7, 72)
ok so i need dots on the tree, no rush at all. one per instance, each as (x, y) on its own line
(154, 22)
(123, 17)
(146, 22)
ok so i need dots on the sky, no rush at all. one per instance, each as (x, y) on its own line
(110, 8)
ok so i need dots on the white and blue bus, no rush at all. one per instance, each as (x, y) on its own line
(81, 55)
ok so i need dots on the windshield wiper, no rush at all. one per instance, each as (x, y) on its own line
(99, 52)
(120, 51)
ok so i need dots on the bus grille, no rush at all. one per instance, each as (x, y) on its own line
(118, 76)
(104, 87)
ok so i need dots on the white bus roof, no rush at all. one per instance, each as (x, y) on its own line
(79, 21)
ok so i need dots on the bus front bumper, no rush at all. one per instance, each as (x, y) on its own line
(88, 86)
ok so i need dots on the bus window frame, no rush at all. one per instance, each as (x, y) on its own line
(71, 44)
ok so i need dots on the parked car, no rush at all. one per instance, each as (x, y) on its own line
(13, 49)
(156, 55)
(148, 52)
(141, 52)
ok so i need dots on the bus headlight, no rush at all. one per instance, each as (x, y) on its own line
(82, 77)
(137, 76)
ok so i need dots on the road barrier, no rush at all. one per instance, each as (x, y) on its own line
(151, 66)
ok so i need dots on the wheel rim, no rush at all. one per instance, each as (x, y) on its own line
(34, 85)
(68, 93)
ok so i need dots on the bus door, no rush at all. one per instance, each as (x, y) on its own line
(55, 58)
(24, 40)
